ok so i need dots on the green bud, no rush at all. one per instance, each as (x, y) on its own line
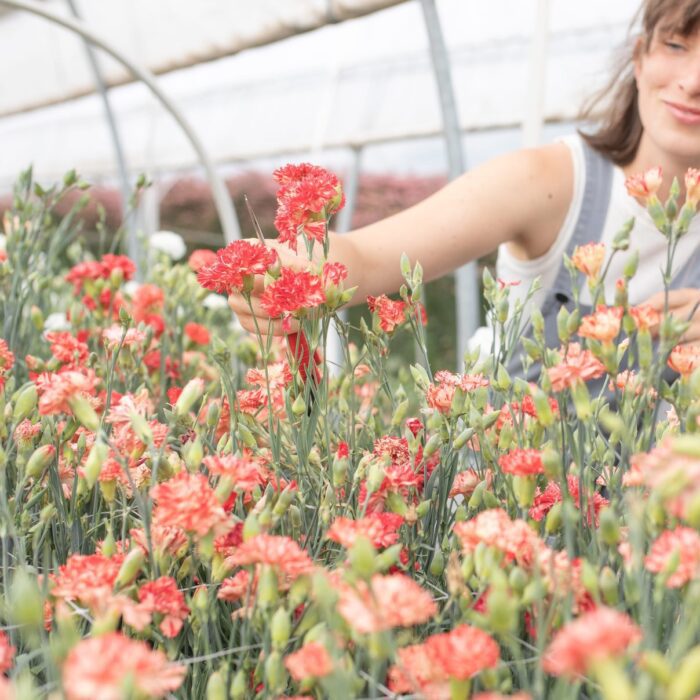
(130, 568)
(686, 678)
(362, 557)
(193, 452)
(239, 686)
(553, 521)
(275, 675)
(400, 413)
(280, 629)
(190, 394)
(432, 446)
(84, 412)
(25, 404)
(216, 687)
(609, 527)
(268, 587)
(609, 586)
(437, 564)
(299, 406)
(26, 604)
(39, 461)
(657, 666)
(518, 579)
(93, 464)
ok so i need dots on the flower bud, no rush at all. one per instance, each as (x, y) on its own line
(362, 557)
(553, 521)
(39, 461)
(437, 564)
(280, 628)
(461, 440)
(657, 666)
(190, 394)
(216, 687)
(268, 587)
(239, 685)
(251, 526)
(130, 568)
(686, 678)
(299, 406)
(609, 586)
(95, 460)
(25, 603)
(193, 452)
(275, 676)
(609, 527)
(25, 403)
(389, 557)
(375, 477)
(84, 412)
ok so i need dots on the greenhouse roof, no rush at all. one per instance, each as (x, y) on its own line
(365, 80)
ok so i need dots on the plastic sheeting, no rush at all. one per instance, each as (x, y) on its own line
(364, 81)
(48, 63)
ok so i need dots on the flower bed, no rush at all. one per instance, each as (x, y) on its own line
(186, 511)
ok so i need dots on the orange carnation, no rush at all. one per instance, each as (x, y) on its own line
(599, 634)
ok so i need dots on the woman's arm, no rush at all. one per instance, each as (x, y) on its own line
(522, 198)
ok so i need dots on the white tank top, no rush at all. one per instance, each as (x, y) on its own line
(644, 237)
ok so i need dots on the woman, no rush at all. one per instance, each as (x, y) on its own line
(537, 204)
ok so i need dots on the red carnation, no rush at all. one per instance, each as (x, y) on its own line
(235, 265)
(293, 291)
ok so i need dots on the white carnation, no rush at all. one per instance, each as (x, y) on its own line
(215, 301)
(168, 242)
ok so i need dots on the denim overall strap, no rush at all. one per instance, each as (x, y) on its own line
(598, 173)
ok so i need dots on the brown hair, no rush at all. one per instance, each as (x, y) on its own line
(614, 108)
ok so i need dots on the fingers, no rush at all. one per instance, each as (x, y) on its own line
(677, 298)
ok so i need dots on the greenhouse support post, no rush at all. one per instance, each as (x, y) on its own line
(222, 199)
(466, 287)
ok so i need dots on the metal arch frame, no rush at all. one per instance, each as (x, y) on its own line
(222, 200)
(466, 287)
(131, 241)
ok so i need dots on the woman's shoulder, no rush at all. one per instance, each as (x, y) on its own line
(547, 177)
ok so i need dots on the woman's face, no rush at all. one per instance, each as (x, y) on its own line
(668, 80)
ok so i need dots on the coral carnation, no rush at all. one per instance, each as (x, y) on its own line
(311, 661)
(101, 667)
(682, 543)
(599, 634)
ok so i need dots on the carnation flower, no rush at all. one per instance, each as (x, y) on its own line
(685, 359)
(692, 186)
(391, 313)
(235, 266)
(682, 544)
(307, 197)
(281, 552)
(311, 661)
(87, 578)
(162, 596)
(588, 259)
(459, 654)
(645, 316)
(644, 185)
(521, 462)
(464, 483)
(603, 325)
(57, 389)
(101, 667)
(515, 538)
(245, 471)
(197, 333)
(596, 635)
(545, 500)
(440, 395)
(168, 242)
(201, 258)
(187, 501)
(576, 365)
(394, 600)
(7, 361)
(68, 350)
(293, 291)
(132, 338)
(7, 653)
(381, 529)
(237, 587)
(57, 321)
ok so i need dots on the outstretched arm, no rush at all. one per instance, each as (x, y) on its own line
(522, 198)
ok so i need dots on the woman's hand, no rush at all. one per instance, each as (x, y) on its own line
(249, 313)
(684, 305)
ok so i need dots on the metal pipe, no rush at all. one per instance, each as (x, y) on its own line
(222, 200)
(129, 222)
(534, 111)
(466, 287)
